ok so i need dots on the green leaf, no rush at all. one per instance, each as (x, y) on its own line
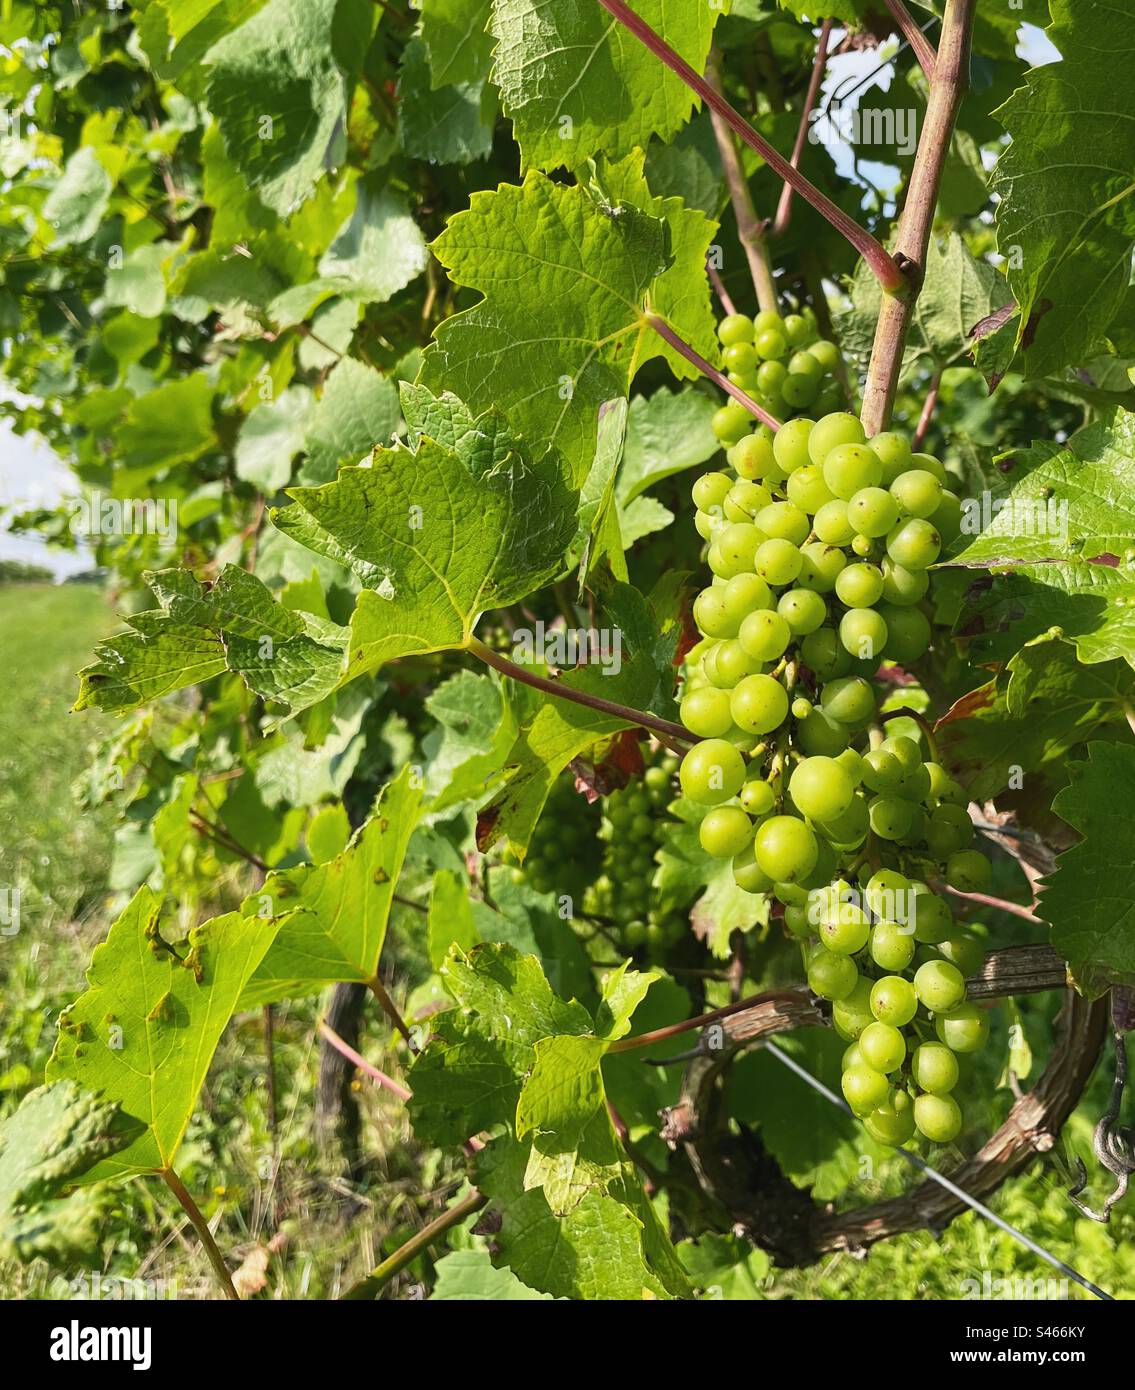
(171, 424)
(1090, 898)
(328, 834)
(477, 729)
(358, 409)
(576, 83)
(412, 527)
(560, 329)
(378, 251)
(725, 1268)
(443, 125)
(598, 514)
(55, 1137)
(199, 631)
(334, 915)
(77, 204)
(1030, 717)
(470, 1276)
(456, 36)
(1066, 222)
(280, 96)
(270, 438)
(1065, 533)
(450, 922)
(667, 433)
(144, 1033)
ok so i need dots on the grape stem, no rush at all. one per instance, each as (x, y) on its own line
(577, 697)
(784, 207)
(947, 88)
(719, 288)
(750, 228)
(205, 1235)
(920, 45)
(388, 1083)
(905, 712)
(928, 407)
(884, 266)
(1001, 904)
(680, 346)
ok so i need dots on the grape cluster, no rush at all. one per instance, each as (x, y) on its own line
(819, 543)
(565, 837)
(623, 893)
(781, 363)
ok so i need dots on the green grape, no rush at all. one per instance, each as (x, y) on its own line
(846, 930)
(797, 329)
(822, 566)
(937, 1117)
(804, 364)
(820, 788)
(712, 772)
(908, 633)
(929, 464)
(748, 874)
(888, 894)
(969, 871)
(757, 798)
(965, 951)
(849, 830)
(852, 763)
(891, 817)
(732, 422)
(783, 521)
(732, 663)
(872, 511)
(939, 986)
(882, 1047)
(790, 446)
(917, 492)
(830, 432)
(864, 547)
(832, 525)
(831, 976)
(850, 699)
(712, 615)
(825, 656)
(851, 467)
(764, 635)
(820, 734)
(738, 543)
(882, 771)
(786, 848)
(725, 832)
(735, 328)
(744, 500)
(771, 377)
(859, 585)
(893, 1000)
(964, 1029)
(748, 384)
(740, 358)
(752, 457)
(914, 544)
(771, 345)
(901, 586)
(706, 712)
(892, 948)
(803, 610)
(796, 920)
(779, 562)
(801, 707)
(759, 704)
(863, 631)
(934, 1067)
(807, 489)
(893, 1122)
(800, 391)
(710, 490)
(948, 830)
(893, 453)
(852, 1014)
(828, 356)
(947, 520)
(768, 320)
(742, 595)
(864, 1088)
(906, 750)
(932, 919)
(706, 523)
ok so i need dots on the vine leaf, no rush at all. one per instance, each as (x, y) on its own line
(451, 124)
(575, 82)
(358, 409)
(436, 537)
(1090, 899)
(457, 39)
(470, 1275)
(201, 630)
(144, 1032)
(1066, 224)
(1064, 536)
(333, 916)
(560, 329)
(55, 1137)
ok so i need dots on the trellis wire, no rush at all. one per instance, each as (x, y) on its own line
(937, 1177)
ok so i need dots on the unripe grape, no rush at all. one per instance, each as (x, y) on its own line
(917, 492)
(906, 750)
(932, 918)
(706, 523)
(731, 664)
(832, 524)
(863, 631)
(768, 320)
(929, 464)
(771, 345)
(725, 832)
(852, 1014)
(969, 871)
(939, 986)
(949, 830)
(937, 1117)
(825, 655)
(850, 467)
(864, 1088)
(891, 948)
(859, 585)
(888, 894)
(744, 500)
(711, 613)
(752, 457)
(872, 511)
(845, 930)
(850, 699)
(778, 562)
(771, 377)
(893, 452)
(965, 951)
(803, 610)
(764, 635)
(800, 708)
(706, 712)
(783, 521)
(893, 1000)
(740, 358)
(735, 328)
(882, 1047)
(743, 594)
(914, 544)
(947, 520)
(893, 1122)
(757, 798)
(797, 329)
(748, 874)
(759, 704)
(831, 976)
(737, 543)
(831, 431)
(710, 490)
(848, 830)
(790, 446)
(882, 771)
(963, 1029)
(820, 734)
(864, 547)
(732, 422)
(908, 633)
(786, 848)
(903, 587)
(800, 391)
(712, 772)
(807, 489)
(934, 1067)
(827, 354)
(820, 788)
(822, 566)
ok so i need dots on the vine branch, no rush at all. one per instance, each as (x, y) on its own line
(883, 265)
(387, 1082)
(205, 1235)
(920, 45)
(373, 1284)
(679, 344)
(949, 84)
(577, 697)
(784, 207)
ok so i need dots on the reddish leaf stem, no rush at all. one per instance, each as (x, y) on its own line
(884, 266)
(679, 344)
(784, 207)
(687, 1025)
(340, 1045)
(920, 45)
(719, 288)
(928, 406)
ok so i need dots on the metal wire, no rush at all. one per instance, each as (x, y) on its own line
(937, 1177)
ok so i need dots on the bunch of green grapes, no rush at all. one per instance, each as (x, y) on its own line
(565, 841)
(819, 543)
(781, 363)
(632, 828)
